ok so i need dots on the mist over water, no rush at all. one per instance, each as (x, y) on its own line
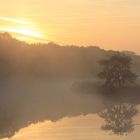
(51, 82)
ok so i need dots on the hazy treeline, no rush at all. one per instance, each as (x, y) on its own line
(51, 60)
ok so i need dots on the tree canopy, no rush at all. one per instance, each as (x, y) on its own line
(117, 71)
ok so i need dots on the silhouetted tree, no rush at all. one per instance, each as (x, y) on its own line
(117, 71)
(119, 118)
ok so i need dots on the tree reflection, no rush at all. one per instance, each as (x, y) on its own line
(119, 118)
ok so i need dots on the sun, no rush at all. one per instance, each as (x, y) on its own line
(23, 32)
(22, 29)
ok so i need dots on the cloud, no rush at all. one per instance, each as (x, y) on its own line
(18, 21)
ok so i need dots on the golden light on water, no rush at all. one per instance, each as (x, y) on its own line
(74, 128)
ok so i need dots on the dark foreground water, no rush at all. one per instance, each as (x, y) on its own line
(58, 111)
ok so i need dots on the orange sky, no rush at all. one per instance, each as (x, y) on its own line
(110, 24)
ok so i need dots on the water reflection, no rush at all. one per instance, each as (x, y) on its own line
(55, 103)
(119, 118)
(83, 127)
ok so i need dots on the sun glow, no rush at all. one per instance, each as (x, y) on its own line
(18, 21)
(22, 29)
(23, 32)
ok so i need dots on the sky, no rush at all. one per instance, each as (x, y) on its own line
(109, 24)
